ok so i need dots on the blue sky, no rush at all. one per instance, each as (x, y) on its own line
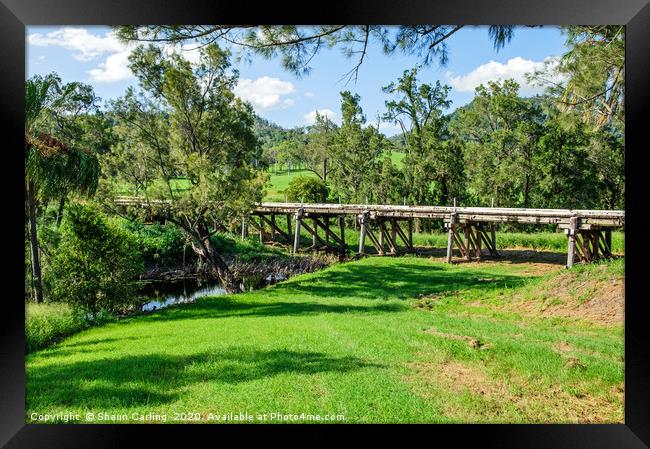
(92, 55)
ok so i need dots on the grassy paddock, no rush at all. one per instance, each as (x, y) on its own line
(382, 339)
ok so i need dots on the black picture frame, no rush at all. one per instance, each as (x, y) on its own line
(15, 15)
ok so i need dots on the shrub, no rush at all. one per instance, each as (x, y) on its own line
(97, 264)
(159, 244)
(307, 189)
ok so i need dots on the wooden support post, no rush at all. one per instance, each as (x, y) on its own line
(410, 233)
(326, 220)
(573, 225)
(289, 226)
(393, 236)
(450, 237)
(273, 226)
(608, 242)
(381, 237)
(477, 240)
(362, 236)
(244, 228)
(261, 229)
(342, 228)
(468, 252)
(314, 235)
(296, 239)
(375, 241)
(594, 245)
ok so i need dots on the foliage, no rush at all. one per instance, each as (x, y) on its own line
(159, 244)
(307, 189)
(97, 265)
(355, 154)
(433, 165)
(298, 45)
(500, 131)
(54, 168)
(49, 323)
(592, 74)
(186, 122)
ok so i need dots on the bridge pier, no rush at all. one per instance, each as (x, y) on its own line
(296, 239)
(588, 245)
(469, 238)
(363, 221)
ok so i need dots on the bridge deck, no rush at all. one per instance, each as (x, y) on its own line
(471, 230)
(586, 219)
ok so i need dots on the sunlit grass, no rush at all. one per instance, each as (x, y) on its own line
(351, 340)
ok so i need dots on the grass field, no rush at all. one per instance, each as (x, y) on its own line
(401, 339)
(280, 181)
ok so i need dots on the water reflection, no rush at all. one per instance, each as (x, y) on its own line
(164, 294)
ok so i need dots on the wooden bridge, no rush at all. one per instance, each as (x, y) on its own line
(472, 230)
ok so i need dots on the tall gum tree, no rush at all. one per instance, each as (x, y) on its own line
(187, 145)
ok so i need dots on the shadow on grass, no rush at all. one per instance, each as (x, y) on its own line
(345, 289)
(405, 279)
(156, 379)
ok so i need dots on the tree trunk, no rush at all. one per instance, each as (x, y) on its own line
(59, 214)
(220, 268)
(33, 244)
(526, 191)
(206, 249)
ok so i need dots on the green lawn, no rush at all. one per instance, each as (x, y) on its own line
(356, 340)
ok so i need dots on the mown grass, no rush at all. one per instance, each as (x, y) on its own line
(351, 340)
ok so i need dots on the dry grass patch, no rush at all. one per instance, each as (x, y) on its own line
(472, 393)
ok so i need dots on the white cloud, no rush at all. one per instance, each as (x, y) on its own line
(516, 68)
(265, 92)
(114, 68)
(310, 117)
(389, 128)
(309, 94)
(86, 46)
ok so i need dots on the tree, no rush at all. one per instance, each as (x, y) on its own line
(97, 265)
(430, 164)
(52, 167)
(500, 131)
(317, 146)
(356, 154)
(188, 143)
(591, 74)
(298, 45)
(390, 188)
(567, 177)
(307, 189)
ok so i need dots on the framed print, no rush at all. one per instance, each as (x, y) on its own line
(382, 213)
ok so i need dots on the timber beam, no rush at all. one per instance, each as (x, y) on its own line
(471, 239)
(587, 245)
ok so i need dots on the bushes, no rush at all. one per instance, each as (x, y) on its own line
(97, 265)
(160, 245)
(307, 189)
